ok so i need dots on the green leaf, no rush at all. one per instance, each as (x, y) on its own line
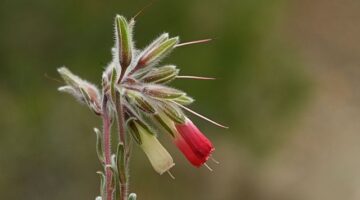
(120, 161)
(102, 183)
(116, 181)
(99, 145)
(112, 85)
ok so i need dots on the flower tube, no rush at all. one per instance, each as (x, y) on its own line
(158, 156)
(192, 143)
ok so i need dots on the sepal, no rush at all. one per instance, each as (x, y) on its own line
(173, 112)
(124, 43)
(156, 51)
(140, 101)
(134, 131)
(184, 100)
(161, 75)
(162, 92)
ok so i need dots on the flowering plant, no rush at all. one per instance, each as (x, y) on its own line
(135, 95)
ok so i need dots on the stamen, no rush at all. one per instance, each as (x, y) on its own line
(201, 116)
(196, 77)
(170, 174)
(215, 161)
(207, 166)
(193, 42)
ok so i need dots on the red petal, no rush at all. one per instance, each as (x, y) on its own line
(193, 144)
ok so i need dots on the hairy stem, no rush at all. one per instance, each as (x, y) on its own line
(122, 139)
(107, 147)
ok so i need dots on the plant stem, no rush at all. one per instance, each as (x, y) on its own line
(122, 139)
(107, 147)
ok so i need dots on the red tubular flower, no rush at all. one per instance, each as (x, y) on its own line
(192, 143)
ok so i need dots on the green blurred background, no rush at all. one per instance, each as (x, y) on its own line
(288, 76)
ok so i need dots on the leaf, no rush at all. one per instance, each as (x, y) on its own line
(99, 145)
(120, 161)
(102, 183)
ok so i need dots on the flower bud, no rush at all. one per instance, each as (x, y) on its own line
(69, 77)
(184, 100)
(92, 98)
(161, 75)
(72, 91)
(124, 42)
(159, 158)
(156, 51)
(162, 92)
(81, 90)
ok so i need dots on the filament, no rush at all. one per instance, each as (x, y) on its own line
(215, 161)
(207, 166)
(171, 175)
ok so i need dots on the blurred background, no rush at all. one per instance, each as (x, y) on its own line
(288, 76)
